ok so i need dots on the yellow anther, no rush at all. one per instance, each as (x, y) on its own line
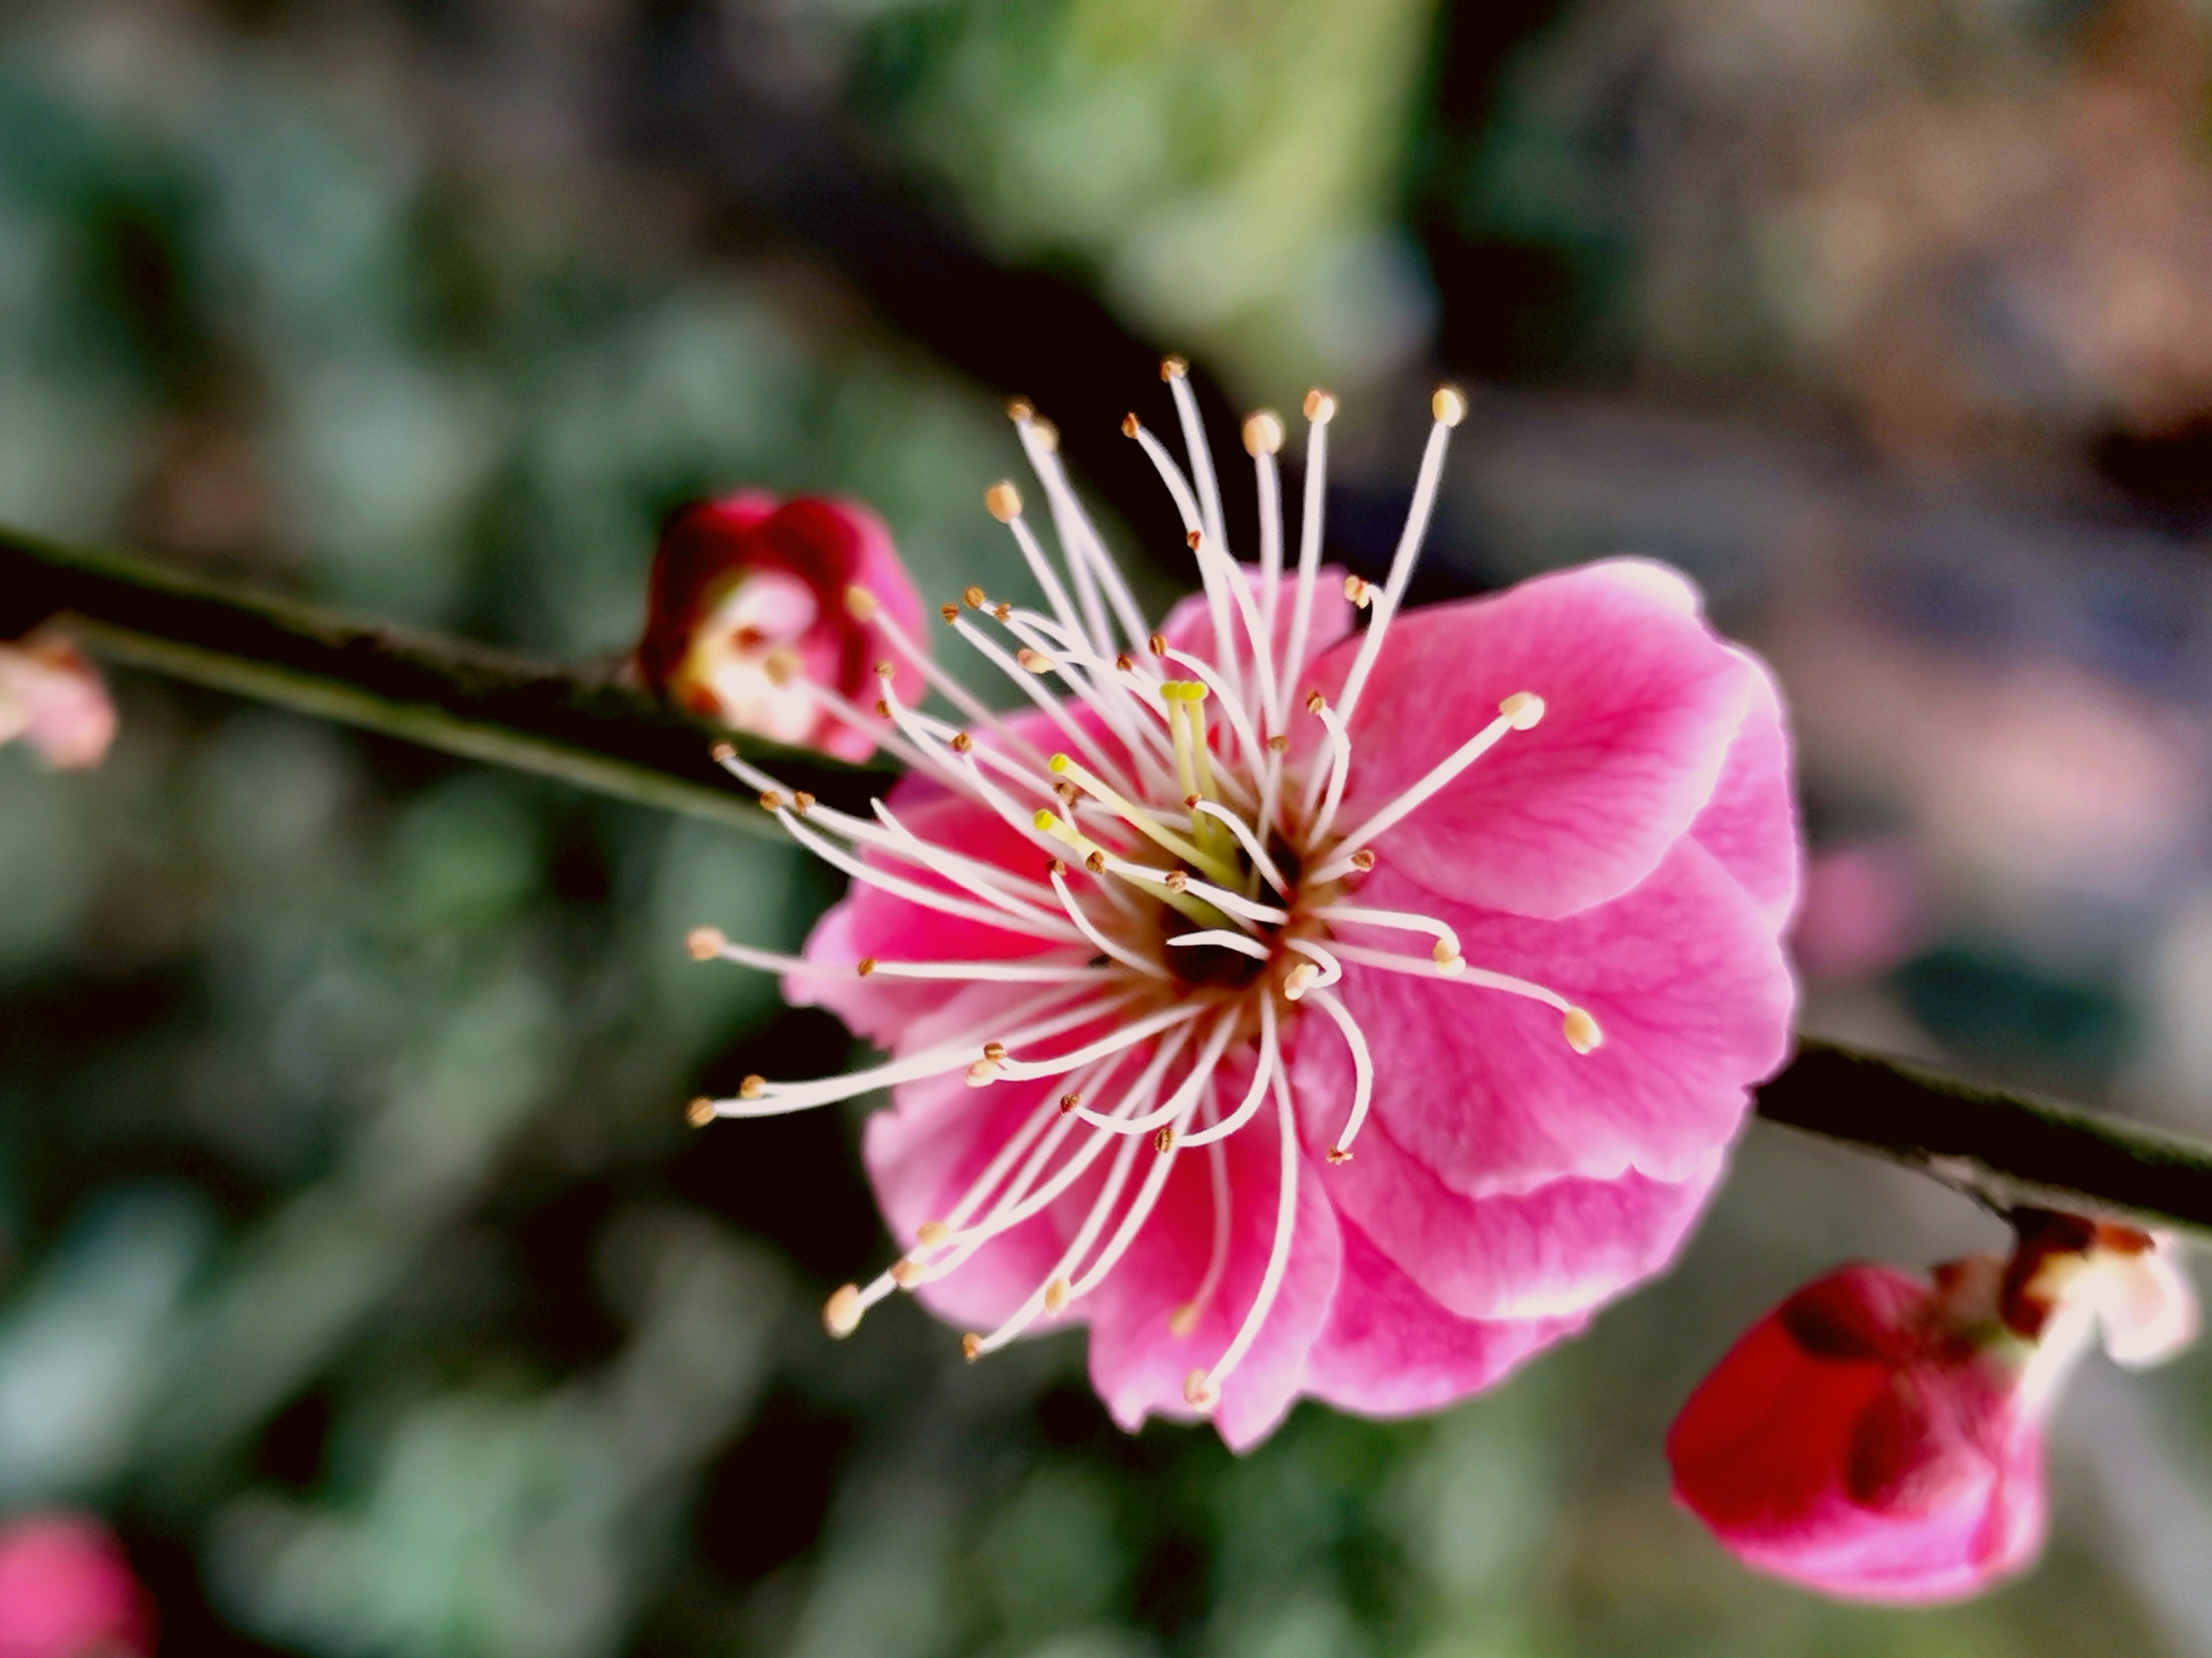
(1448, 404)
(960, 742)
(983, 1073)
(906, 1273)
(1191, 539)
(1047, 434)
(886, 671)
(1184, 690)
(1069, 1102)
(971, 1347)
(700, 1112)
(1299, 980)
(1123, 662)
(950, 612)
(994, 1051)
(1034, 661)
(1183, 1320)
(1279, 744)
(1176, 880)
(1004, 501)
(1361, 593)
(802, 802)
(1263, 433)
(1157, 644)
(1057, 765)
(1320, 406)
(1524, 708)
(1130, 425)
(861, 604)
(931, 1233)
(722, 753)
(1199, 1391)
(972, 597)
(1339, 1157)
(705, 943)
(1002, 611)
(1056, 1295)
(1363, 860)
(865, 965)
(1165, 1140)
(1095, 862)
(1316, 702)
(752, 1087)
(1582, 1032)
(1174, 368)
(1019, 409)
(840, 1314)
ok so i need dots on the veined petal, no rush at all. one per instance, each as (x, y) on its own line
(1685, 980)
(1139, 1363)
(1642, 704)
(1751, 822)
(1388, 1349)
(1551, 1252)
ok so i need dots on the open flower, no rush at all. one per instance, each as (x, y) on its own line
(66, 1591)
(1305, 1008)
(52, 698)
(1879, 1437)
(771, 617)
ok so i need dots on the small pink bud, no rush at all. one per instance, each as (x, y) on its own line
(53, 698)
(758, 607)
(66, 1591)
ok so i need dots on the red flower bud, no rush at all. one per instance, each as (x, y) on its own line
(1879, 1437)
(1857, 1441)
(757, 609)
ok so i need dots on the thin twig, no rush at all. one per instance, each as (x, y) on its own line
(601, 734)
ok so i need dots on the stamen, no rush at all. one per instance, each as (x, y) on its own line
(1127, 958)
(1246, 840)
(757, 1098)
(1447, 949)
(1577, 1023)
(1237, 941)
(1299, 980)
(1128, 1036)
(1270, 1058)
(1084, 548)
(1045, 701)
(1187, 1092)
(1320, 409)
(840, 1314)
(1363, 1070)
(1332, 970)
(1519, 712)
(1137, 818)
(1449, 408)
(1203, 1388)
(1216, 599)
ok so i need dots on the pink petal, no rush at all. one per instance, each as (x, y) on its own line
(1751, 822)
(925, 1151)
(871, 922)
(1389, 1350)
(67, 1591)
(1554, 1251)
(1138, 1364)
(1643, 702)
(1685, 978)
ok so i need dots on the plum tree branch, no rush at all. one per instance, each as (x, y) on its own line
(594, 731)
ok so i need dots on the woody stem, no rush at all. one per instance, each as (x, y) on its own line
(590, 729)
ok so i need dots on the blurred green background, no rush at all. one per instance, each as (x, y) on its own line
(353, 1259)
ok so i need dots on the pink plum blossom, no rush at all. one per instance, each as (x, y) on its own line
(52, 698)
(67, 1592)
(1879, 1437)
(1306, 1009)
(771, 617)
